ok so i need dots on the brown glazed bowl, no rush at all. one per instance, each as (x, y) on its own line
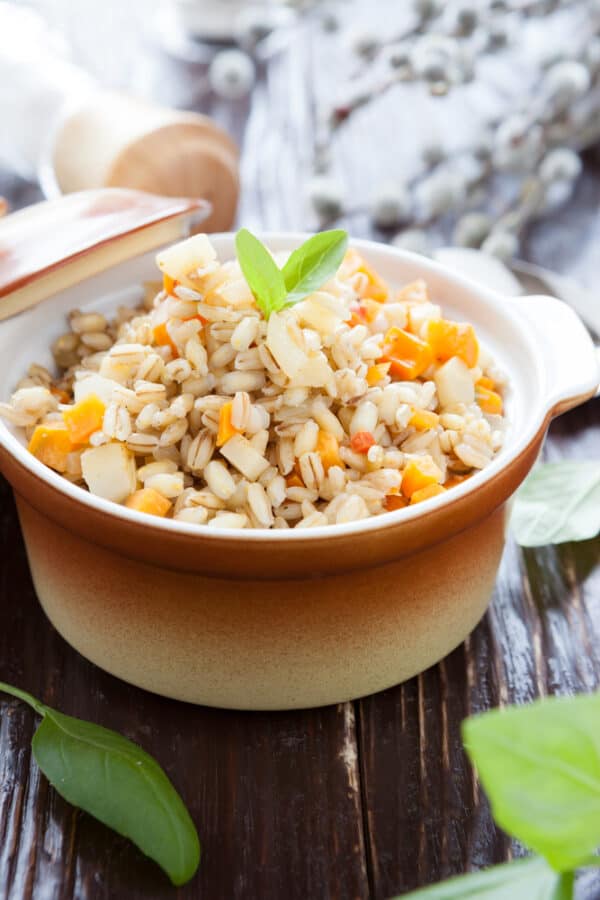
(283, 619)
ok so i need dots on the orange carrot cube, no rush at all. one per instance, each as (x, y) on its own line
(448, 339)
(407, 354)
(394, 501)
(84, 418)
(149, 501)
(51, 444)
(423, 419)
(432, 490)
(362, 442)
(328, 449)
(418, 474)
(489, 401)
(377, 373)
(162, 338)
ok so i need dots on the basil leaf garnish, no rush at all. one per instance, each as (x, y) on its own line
(523, 879)
(261, 272)
(118, 783)
(540, 767)
(314, 263)
(307, 269)
(558, 502)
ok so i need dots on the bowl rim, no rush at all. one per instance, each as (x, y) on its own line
(512, 450)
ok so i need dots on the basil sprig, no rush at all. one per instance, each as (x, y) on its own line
(115, 781)
(307, 269)
(540, 767)
(558, 502)
(524, 879)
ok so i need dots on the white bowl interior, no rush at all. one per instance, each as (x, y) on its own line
(26, 338)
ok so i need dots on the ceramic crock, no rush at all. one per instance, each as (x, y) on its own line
(284, 619)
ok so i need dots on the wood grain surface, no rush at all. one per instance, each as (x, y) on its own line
(365, 800)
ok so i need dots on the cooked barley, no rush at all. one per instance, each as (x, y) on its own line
(317, 432)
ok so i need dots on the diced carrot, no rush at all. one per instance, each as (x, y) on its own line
(409, 355)
(60, 395)
(377, 373)
(489, 401)
(294, 480)
(51, 444)
(169, 284)
(149, 501)
(84, 418)
(419, 474)
(226, 429)
(358, 316)
(328, 449)
(448, 339)
(414, 292)
(423, 419)
(432, 490)
(376, 288)
(162, 338)
(394, 501)
(486, 382)
(362, 442)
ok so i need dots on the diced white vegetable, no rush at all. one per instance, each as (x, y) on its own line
(236, 293)
(322, 312)
(109, 471)
(315, 372)
(454, 383)
(421, 313)
(94, 384)
(184, 258)
(288, 355)
(241, 454)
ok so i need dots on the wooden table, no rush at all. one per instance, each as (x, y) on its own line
(363, 800)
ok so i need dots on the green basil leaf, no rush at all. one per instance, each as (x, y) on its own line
(115, 781)
(558, 502)
(314, 263)
(261, 272)
(525, 879)
(540, 767)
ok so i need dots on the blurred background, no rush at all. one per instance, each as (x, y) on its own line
(422, 122)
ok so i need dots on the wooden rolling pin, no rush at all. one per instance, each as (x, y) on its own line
(114, 140)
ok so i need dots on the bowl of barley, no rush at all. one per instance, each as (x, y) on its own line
(275, 512)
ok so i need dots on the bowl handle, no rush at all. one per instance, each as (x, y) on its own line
(52, 245)
(571, 360)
